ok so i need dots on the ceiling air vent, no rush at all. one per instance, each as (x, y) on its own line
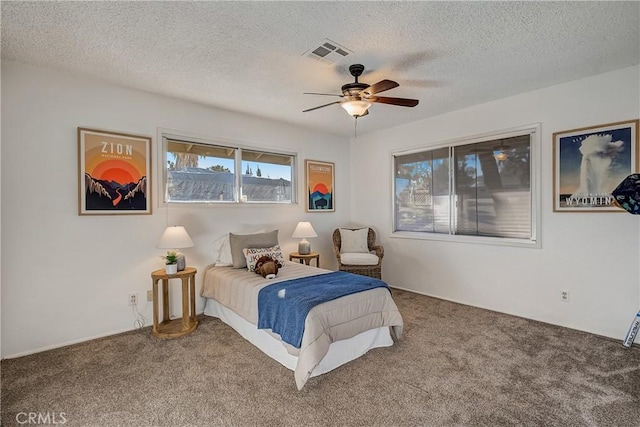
(328, 52)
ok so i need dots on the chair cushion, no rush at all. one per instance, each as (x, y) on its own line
(358, 258)
(354, 241)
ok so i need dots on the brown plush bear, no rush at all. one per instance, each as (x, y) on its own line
(267, 267)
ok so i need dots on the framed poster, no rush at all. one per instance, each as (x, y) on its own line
(114, 170)
(588, 164)
(320, 184)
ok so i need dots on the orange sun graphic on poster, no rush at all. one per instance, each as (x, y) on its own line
(321, 188)
(116, 170)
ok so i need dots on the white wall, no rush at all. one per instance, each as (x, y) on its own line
(66, 277)
(594, 256)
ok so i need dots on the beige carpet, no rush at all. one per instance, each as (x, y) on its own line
(456, 365)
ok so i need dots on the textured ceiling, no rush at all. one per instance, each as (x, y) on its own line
(247, 56)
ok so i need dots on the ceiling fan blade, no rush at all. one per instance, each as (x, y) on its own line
(322, 106)
(381, 86)
(325, 94)
(402, 102)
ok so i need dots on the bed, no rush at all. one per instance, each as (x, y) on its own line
(335, 332)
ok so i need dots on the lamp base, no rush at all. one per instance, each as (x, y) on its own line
(304, 247)
(182, 263)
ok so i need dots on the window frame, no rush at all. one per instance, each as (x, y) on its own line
(238, 147)
(534, 170)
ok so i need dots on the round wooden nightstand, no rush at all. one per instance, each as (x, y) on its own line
(305, 258)
(181, 326)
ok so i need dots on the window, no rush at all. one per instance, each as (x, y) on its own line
(266, 177)
(483, 187)
(199, 171)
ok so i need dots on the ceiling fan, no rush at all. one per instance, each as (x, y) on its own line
(357, 97)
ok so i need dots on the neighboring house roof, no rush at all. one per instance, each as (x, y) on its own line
(203, 184)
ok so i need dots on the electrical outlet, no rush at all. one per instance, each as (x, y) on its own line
(564, 296)
(133, 298)
(150, 295)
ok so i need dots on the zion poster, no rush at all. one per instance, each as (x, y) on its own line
(114, 170)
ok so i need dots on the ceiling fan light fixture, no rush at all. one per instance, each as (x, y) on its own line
(356, 108)
(357, 97)
(500, 156)
(500, 152)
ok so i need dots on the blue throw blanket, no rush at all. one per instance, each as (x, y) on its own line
(283, 306)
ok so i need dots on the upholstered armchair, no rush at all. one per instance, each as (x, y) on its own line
(358, 253)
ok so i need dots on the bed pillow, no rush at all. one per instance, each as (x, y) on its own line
(238, 242)
(354, 241)
(252, 255)
(222, 252)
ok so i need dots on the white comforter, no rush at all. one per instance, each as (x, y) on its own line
(332, 321)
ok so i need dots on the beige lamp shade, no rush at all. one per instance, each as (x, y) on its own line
(175, 237)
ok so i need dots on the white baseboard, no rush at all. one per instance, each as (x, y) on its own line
(77, 341)
(64, 344)
(506, 312)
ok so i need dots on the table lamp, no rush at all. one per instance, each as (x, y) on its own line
(302, 231)
(176, 237)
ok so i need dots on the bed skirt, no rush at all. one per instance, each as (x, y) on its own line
(340, 352)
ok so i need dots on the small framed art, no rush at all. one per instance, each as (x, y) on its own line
(114, 171)
(588, 164)
(320, 186)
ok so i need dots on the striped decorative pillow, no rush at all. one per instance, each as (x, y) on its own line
(252, 255)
